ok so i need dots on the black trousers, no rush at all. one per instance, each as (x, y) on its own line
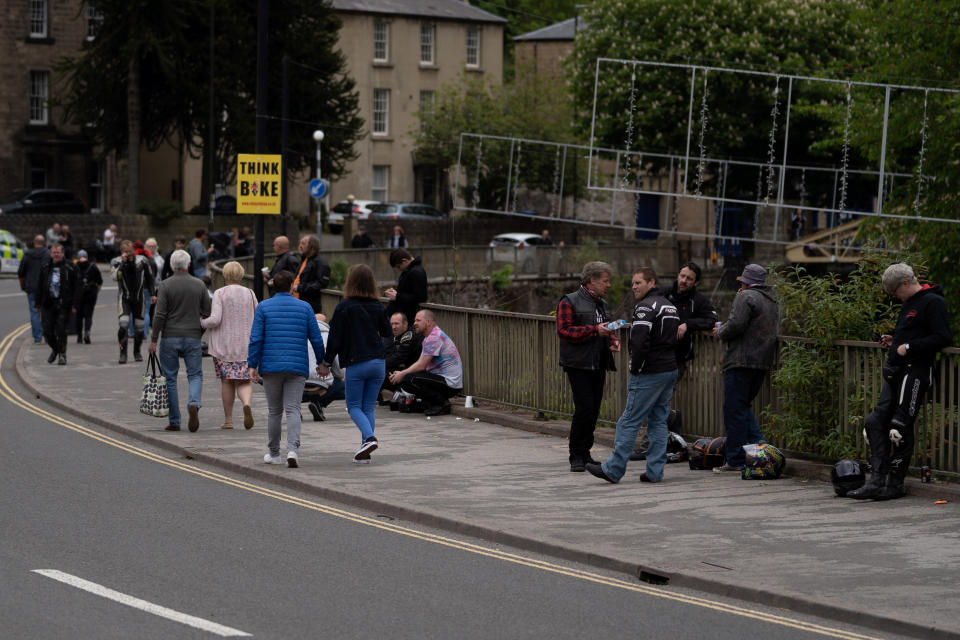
(900, 401)
(54, 318)
(430, 387)
(587, 387)
(85, 313)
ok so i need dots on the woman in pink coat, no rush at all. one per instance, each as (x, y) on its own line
(231, 316)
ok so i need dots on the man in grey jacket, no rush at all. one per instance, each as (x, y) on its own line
(182, 301)
(750, 337)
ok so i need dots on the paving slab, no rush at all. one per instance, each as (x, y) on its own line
(789, 542)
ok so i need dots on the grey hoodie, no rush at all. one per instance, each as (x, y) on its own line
(751, 331)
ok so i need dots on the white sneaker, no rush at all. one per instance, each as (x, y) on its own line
(368, 447)
(292, 459)
(362, 461)
(269, 459)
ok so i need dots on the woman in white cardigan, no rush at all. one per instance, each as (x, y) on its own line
(231, 316)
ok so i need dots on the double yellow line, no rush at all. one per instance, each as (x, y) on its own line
(10, 395)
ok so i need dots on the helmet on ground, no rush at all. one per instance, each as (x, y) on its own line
(763, 462)
(707, 453)
(846, 476)
(676, 447)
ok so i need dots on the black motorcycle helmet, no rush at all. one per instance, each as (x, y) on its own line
(847, 475)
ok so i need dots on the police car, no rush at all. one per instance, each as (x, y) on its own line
(11, 252)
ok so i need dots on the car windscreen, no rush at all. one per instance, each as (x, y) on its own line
(383, 208)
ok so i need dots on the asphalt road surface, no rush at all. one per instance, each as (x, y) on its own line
(106, 538)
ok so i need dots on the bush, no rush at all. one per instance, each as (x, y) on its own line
(161, 212)
(338, 273)
(501, 278)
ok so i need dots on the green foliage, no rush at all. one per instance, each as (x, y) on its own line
(819, 310)
(587, 251)
(537, 108)
(161, 212)
(765, 35)
(501, 278)
(338, 273)
(524, 16)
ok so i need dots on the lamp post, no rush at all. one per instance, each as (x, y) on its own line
(318, 138)
(349, 223)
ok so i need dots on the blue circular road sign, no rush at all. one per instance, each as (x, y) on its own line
(318, 187)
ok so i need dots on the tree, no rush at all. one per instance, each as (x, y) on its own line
(914, 43)
(782, 36)
(144, 80)
(524, 16)
(532, 107)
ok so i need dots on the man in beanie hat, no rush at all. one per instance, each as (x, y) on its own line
(750, 337)
(90, 281)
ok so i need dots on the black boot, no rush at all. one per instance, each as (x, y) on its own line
(894, 488)
(873, 487)
(86, 338)
(137, 341)
(79, 338)
(122, 339)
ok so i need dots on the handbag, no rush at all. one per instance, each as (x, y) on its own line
(153, 399)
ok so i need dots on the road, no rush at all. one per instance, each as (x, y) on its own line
(106, 538)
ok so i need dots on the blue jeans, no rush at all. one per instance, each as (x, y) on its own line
(363, 381)
(146, 313)
(169, 352)
(36, 324)
(740, 387)
(648, 398)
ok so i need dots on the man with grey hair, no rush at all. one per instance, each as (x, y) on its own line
(750, 335)
(182, 301)
(586, 346)
(922, 330)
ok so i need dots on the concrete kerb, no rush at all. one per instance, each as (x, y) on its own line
(650, 572)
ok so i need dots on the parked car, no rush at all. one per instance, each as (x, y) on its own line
(405, 211)
(361, 211)
(516, 248)
(11, 252)
(42, 201)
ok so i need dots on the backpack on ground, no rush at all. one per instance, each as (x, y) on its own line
(708, 453)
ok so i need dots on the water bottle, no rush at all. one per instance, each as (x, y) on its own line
(616, 324)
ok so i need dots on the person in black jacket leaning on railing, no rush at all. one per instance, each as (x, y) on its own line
(585, 355)
(411, 289)
(653, 374)
(922, 330)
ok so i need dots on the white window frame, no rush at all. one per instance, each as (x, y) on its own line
(380, 183)
(473, 48)
(381, 112)
(94, 20)
(38, 19)
(428, 99)
(39, 97)
(428, 43)
(381, 28)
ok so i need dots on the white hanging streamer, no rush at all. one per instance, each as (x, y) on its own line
(703, 131)
(771, 146)
(923, 153)
(846, 152)
(803, 187)
(516, 176)
(554, 203)
(476, 185)
(629, 141)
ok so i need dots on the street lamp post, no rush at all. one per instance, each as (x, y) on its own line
(318, 137)
(349, 223)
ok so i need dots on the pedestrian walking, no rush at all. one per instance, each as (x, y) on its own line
(29, 275)
(313, 275)
(653, 373)
(922, 330)
(277, 353)
(134, 280)
(90, 282)
(182, 301)
(586, 348)
(411, 289)
(199, 252)
(228, 327)
(57, 297)
(750, 335)
(357, 329)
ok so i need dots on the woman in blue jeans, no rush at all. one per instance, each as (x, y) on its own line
(357, 329)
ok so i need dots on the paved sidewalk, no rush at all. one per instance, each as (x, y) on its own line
(788, 543)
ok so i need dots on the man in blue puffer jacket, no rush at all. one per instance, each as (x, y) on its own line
(282, 326)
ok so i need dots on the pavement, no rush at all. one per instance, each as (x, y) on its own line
(497, 475)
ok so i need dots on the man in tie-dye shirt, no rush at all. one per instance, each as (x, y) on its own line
(438, 375)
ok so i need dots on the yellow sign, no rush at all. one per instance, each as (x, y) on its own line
(258, 183)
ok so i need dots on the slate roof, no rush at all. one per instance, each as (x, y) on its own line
(438, 9)
(560, 31)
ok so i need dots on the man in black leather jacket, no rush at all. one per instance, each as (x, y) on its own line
(695, 310)
(402, 349)
(922, 330)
